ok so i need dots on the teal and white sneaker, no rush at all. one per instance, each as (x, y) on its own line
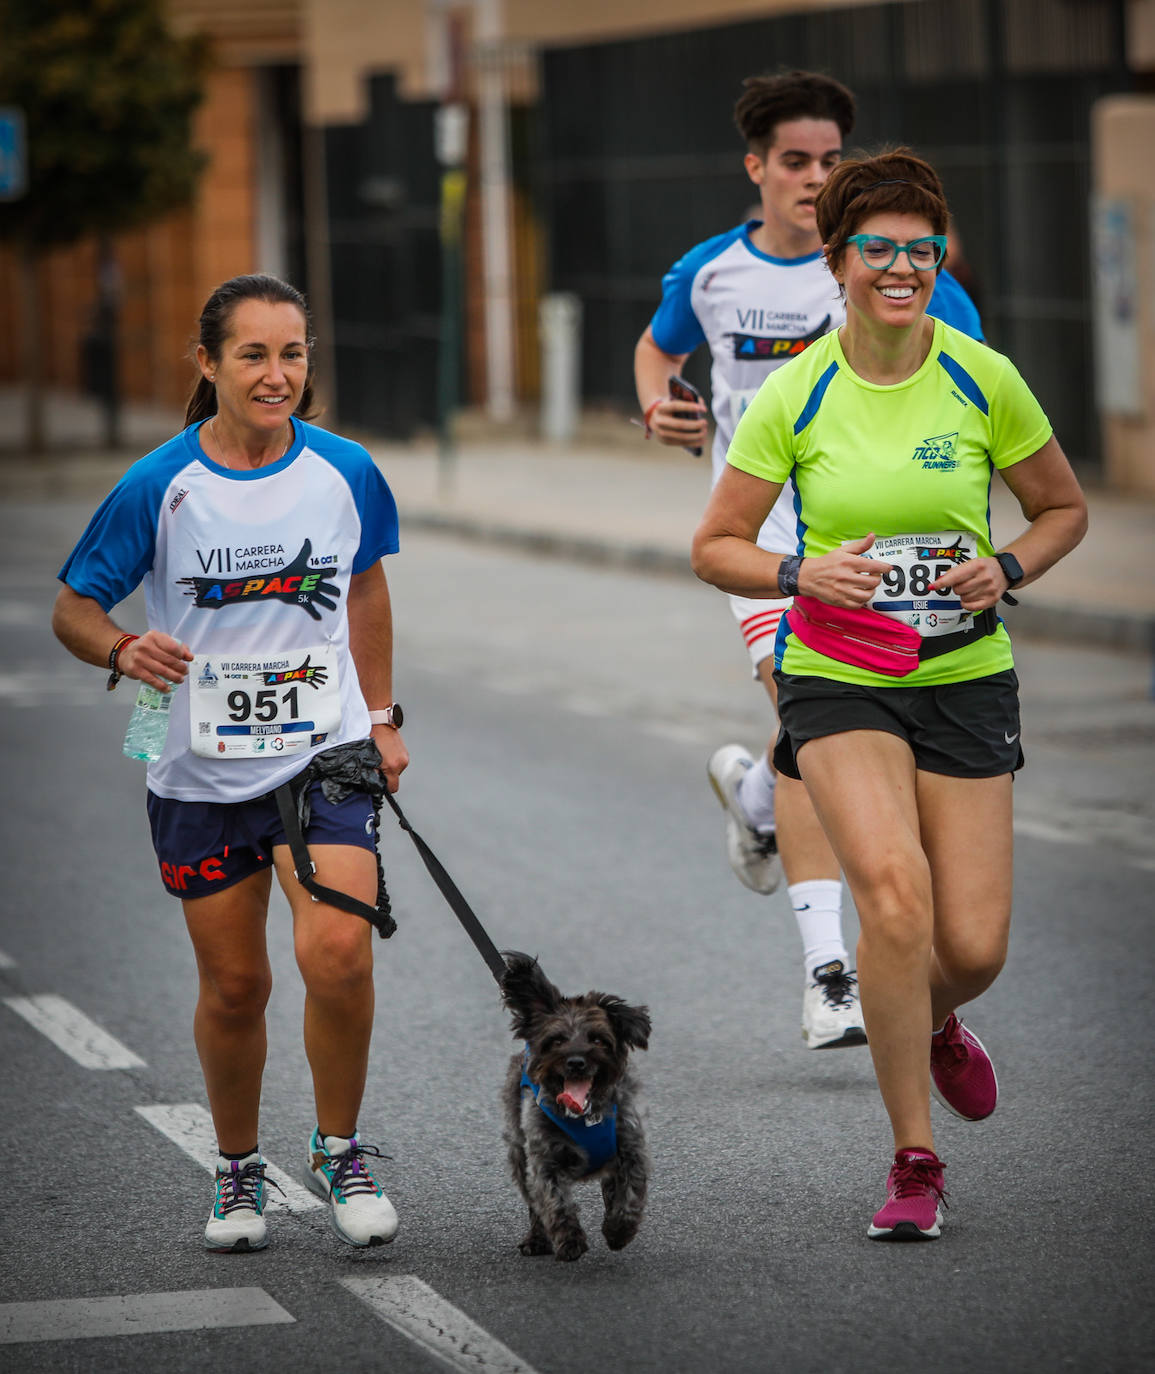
(237, 1220)
(360, 1212)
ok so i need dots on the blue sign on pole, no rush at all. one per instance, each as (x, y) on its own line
(13, 154)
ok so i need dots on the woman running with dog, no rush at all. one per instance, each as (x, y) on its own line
(259, 539)
(896, 686)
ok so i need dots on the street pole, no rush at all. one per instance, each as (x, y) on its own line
(451, 135)
(493, 131)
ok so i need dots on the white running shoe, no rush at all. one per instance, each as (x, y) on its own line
(831, 1015)
(237, 1220)
(753, 855)
(360, 1212)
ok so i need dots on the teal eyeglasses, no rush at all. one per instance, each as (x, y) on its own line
(880, 253)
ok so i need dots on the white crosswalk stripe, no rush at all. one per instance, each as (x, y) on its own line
(189, 1126)
(71, 1031)
(135, 1314)
(419, 1312)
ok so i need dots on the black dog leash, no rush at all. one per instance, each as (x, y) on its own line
(379, 917)
(452, 894)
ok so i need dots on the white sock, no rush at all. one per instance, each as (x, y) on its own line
(756, 795)
(818, 910)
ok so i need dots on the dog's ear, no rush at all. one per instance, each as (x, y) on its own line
(631, 1024)
(526, 991)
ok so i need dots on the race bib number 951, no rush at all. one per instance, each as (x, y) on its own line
(917, 561)
(263, 705)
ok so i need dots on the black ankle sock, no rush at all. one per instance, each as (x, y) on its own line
(244, 1154)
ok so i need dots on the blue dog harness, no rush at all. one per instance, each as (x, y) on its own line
(599, 1139)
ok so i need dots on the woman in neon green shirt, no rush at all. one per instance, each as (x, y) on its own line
(898, 698)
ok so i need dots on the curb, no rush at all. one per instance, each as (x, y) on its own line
(574, 547)
(1062, 624)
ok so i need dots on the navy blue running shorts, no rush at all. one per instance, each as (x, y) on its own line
(207, 847)
(960, 729)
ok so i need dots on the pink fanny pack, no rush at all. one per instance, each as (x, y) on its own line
(864, 638)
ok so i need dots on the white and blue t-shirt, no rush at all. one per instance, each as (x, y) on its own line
(241, 563)
(756, 312)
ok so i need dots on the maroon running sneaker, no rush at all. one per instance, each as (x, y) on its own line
(914, 1199)
(962, 1076)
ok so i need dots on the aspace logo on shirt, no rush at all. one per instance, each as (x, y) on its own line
(751, 348)
(296, 583)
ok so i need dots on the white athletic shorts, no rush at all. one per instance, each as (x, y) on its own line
(758, 621)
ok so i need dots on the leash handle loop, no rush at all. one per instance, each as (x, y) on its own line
(304, 868)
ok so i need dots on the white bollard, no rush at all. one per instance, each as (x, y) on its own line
(560, 324)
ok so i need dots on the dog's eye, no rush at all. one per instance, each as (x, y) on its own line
(600, 1041)
(551, 1043)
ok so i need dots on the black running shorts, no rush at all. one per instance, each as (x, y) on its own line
(961, 729)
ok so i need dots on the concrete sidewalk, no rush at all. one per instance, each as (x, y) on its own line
(612, 498)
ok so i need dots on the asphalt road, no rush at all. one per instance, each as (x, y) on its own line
(559, 719)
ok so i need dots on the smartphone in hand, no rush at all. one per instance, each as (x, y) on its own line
(682, 390)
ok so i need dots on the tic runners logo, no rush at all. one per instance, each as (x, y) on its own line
(937, 453)
(297, 584)
(749, 348)
(313, 674)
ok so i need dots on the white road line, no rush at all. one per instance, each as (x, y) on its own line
(1044, 830)
(1069, 835)
(70, 1030)
(189, 1126)
(6, 961)
(134, 1314)
(424, 1316)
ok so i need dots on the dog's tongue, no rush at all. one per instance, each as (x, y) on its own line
(574, 1096)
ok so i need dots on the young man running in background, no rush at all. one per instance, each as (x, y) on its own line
(758, 295)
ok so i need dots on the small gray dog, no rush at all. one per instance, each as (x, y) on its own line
(571, 1109)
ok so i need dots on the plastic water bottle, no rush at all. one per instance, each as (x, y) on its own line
(148, 724)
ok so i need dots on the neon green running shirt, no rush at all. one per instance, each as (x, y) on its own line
(915, 458)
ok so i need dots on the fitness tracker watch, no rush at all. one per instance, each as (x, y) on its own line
(1012, 568)
(391, 715)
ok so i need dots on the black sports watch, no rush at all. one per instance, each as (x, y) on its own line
(1012, 568)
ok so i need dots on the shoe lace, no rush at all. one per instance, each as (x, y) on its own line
(837, 988)
(764, 845)
(242, 1188)
(350, 1174)
(913, 1177)
(950, 1045)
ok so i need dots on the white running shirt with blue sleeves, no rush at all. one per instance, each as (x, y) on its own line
(243, 565)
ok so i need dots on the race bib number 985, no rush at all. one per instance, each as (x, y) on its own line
(917, 561)
(263, 705)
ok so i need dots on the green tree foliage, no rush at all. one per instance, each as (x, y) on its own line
(108, 96)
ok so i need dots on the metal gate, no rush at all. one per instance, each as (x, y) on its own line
(382, 181)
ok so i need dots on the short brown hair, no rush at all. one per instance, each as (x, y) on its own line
(897, 180)
(770, 100)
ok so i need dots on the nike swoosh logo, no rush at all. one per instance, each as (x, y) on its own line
(1010, 739)
(805, 907)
